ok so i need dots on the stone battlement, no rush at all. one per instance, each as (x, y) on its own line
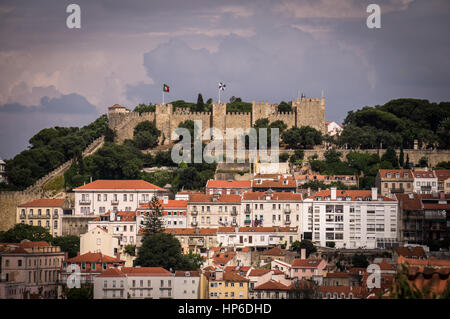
(305, 111)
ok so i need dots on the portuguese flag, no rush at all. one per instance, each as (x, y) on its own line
(166, 88)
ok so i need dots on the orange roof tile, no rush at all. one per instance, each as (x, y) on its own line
(228, 184)
(272, 285)
(44, 202)
(442, 174)
(411, 252)
(145, 271)
(119, 184)
(307, 263)
(383, 173)
(259, 272)
(187, 273)
(94, 258)
(206, 198)
(275, 196)
(275, 251)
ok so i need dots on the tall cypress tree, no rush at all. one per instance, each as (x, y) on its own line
(401, 158)
(406, 166)
(200, 105)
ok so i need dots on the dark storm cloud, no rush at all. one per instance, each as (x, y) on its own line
(66, 104)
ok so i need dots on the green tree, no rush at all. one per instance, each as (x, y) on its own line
(25, 232)
(146, 135)
(401, 158)
(69, 244)
(283, 157)
(306, 244)
(390, 156)
(304, 137)
(407, 166)
(423, 162)
(130, 250)
(360, 261)
(79, 293)
(200, 107)
(163, 250)
(284, 107)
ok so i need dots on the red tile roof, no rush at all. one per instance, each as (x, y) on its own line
(171, 204)
(112, 272)
(272, 285)
(275, 251)
(307, 263)
(275, 196)
(259, 272)
(291, 183)
(119, 184)
(436, 206)
(442, 174)
(206, 198)
(145, 271)
(424, 174)
(337, 275)
(94, 258)
(228, 184)
(44, 202)
(358, 292)
(434, 280)
(409, 201)
(384, 172)
(432, 262)
(233, 276)
(354, 194)
(411, 252)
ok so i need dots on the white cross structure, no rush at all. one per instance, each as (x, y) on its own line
(221, 88)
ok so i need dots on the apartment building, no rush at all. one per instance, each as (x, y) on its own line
(173, 212)
(47, 213)
(29, 270)
(270, 209)
(186, 284)
(226, 285)
(443, 176)
(256, 237)
(411, 218)
(228, 187)
(425, 182)
(99, 240)
(134, 283)
(122, 225)
(394, 181)
(350, 219)
(346, 180)
(90, 265)
(213, 210)
(195, 240)
(101, 196)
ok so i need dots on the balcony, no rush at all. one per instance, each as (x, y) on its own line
(85, 202)
(194, 213)
(247, 210)
(115, 202)
(143, 201)
(196, 241)
(22, 216)
(234, 213)
(287, 222)
(397, 190)
(194, 223)
(287, 210)
(247, 221)
(233, 223)
(55, 215)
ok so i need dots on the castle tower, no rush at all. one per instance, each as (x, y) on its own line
(116, 114)
(311, 112)
(163, 114)
(260, 110)
(218, 116)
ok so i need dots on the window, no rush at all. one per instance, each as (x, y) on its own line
(124, 197)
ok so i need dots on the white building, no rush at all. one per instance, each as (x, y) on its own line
(174, 212)
(134, 283)
(350, 219)
(425, 181)
(2, 171)
(256, 236)
(186, 284)
(270, 209)
(101, 196)
(122, 225)
(333, 128)
(99, 240)
(213, 210)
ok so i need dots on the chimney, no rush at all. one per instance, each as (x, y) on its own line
(374, 193)
(333, 193)
(112, 216)
(166, 200)
(118, 255)
(219, 274)
(303, 253)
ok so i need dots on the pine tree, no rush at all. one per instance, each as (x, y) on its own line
(153, 222)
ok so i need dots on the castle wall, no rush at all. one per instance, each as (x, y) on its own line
(8, 206)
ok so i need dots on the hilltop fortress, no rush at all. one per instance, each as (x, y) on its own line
(305, 111)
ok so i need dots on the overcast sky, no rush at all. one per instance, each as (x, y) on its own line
(262, 50)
